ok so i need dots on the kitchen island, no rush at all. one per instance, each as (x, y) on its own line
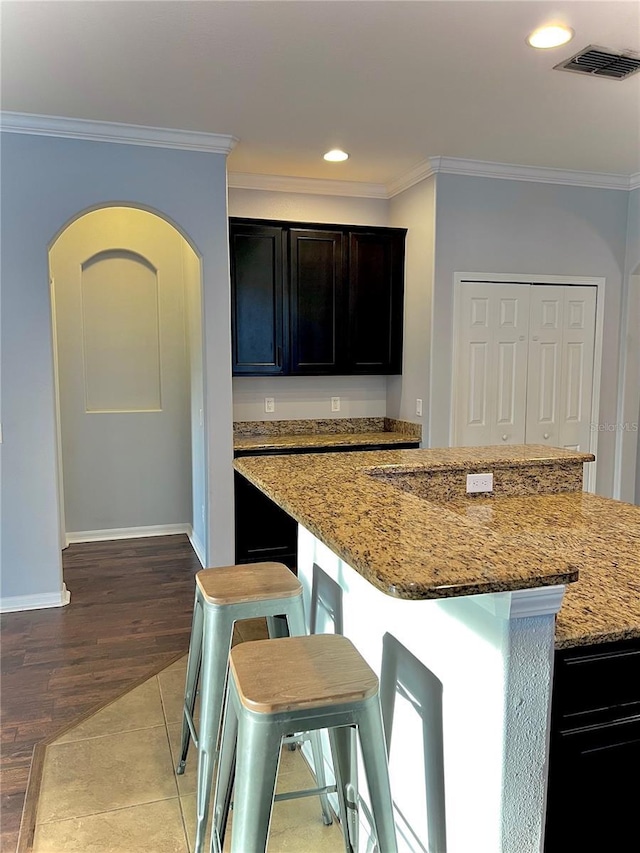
(452, 598)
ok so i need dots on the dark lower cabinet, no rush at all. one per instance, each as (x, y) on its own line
(263, 530)
(593, 803)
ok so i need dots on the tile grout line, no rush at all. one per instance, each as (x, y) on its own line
(173, 767)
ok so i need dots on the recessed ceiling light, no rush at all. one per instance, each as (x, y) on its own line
(336, 155)
(551, 36)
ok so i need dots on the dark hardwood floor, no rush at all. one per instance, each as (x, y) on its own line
(129, 617)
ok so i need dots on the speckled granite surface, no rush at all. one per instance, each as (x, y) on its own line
(308, 426)
(411, 547)
(531, 479)
(339, 432)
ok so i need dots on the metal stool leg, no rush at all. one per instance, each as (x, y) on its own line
(257, 761)
(374, 755)
(342, 770)
(191, 686)
(218, 630)
(225, 775)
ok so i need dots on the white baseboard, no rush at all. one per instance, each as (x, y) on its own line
(197, 546)
(127, 532)
(13, 603)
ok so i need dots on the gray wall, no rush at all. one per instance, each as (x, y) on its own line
(497, 226)
(415, 209)
(630, 392)
(46, 183)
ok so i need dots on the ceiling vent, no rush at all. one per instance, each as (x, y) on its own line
(602, 62)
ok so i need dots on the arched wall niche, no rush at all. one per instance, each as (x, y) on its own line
(126, 294)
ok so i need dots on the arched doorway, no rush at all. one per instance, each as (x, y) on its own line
(126, 310)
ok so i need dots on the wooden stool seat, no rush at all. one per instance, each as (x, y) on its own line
(299, 683)
(243, 583)
(301, 672)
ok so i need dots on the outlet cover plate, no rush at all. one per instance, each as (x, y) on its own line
(479, 483)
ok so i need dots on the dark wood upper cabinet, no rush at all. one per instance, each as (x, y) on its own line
(376, 273)
(258, 316)
(316, 299)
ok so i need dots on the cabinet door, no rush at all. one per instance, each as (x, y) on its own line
(316, 260)
(375, 305)
(593, 789)
(263, 531)
(258, 317)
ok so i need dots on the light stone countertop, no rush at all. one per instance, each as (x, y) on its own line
(414, 547)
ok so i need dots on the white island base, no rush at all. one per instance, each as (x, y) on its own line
(469, 681)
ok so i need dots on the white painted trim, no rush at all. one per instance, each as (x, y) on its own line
(14, 603)
(197, 546)
(56, 382)
(309, 186)
(418, 173)
(428, 168)
(522, 603)
(107, 131)
(536, 174)
(535, 602)
(518, 278)
(624, 482)
(127, 533)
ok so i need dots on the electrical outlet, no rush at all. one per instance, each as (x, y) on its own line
(269, 404)
(335, 404)
(479, 483)
(419, 407)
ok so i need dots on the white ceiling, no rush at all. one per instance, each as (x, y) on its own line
(392, 82)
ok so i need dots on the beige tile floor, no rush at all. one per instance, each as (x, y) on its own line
(109, 785)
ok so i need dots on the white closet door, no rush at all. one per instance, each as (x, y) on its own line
(492, 364)
(560, 380)
(576, 386)
(545, 365)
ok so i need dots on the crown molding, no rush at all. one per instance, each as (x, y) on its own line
(217, 143)
(311, 186)
(418, 173)
(535, 174)
(106, 131)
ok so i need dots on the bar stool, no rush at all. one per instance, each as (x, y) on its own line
(222, 597)
(307, 683)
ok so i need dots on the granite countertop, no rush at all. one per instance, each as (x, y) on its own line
(329, 432)
(293, 441)
(414, 547)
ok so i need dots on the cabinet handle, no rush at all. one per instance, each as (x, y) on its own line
(546, 435)
(278, 356)
(272, 548)
(505, 437)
